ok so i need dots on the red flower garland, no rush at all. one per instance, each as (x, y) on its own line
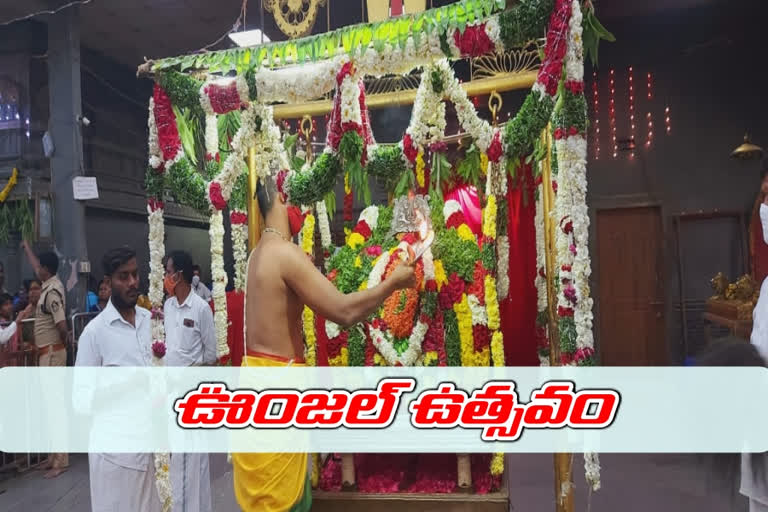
(409, 150)
(481, 337)
(495, 150)
(474, 42)
(335, 344)
(575, 86)
(223, 98)
(348, 207)
(374, 251)
(477, 286)
(167, 132)
(362, 228)
(217, 199)
(451, 292)
(155, 204)
(551, 70)
(238, 218)
(455, 220)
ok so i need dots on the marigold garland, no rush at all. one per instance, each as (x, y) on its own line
(491, 304)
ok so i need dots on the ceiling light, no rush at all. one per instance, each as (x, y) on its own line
(249, 37)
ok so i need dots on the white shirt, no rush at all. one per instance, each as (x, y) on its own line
(190, 337)
(202, 290)
(6, 333)
(109, 340)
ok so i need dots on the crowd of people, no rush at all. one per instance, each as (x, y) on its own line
(49, 340)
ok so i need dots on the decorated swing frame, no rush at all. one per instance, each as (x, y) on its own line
(232, 93)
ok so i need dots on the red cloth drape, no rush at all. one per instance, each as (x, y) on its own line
(518, 310)
(758, 247)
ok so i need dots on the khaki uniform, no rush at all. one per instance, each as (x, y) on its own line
(51, 309)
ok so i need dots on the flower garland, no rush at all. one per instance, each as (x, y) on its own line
(239, 225)
(308, 316)
(522, 131)
(573, 301)
(542, 316)
(325, 230)
(222, 95)
(216, 233)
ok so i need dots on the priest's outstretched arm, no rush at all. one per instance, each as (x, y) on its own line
(317, 292)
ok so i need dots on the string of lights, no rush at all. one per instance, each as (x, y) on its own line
(612, 113)
(596, 112)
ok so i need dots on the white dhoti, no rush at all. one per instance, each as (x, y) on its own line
(115, 488)
(191, 482)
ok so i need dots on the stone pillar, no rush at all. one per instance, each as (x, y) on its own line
(67, 160)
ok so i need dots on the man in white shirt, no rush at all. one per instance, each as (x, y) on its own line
(119, 336)
(198, 287)
(190, 340)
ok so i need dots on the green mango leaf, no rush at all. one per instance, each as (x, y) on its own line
(186, 63)
(301, 53)
(331, 43)
(416, 35)
(330, 203)
(393, 33)
(346, 40)
(429, 24)
(316, 49)
(403, 31)
(199, 61)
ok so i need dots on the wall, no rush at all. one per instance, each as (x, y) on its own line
(707, 67)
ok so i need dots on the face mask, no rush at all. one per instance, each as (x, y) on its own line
(170, 284)
(295, 219)
(195, 280)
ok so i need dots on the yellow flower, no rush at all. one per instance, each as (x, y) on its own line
(309, 336)
(363, 285)
(491, 304)
(430, 358)
(497, 464)
(464, 320)
(482, 358)
(165, 468)
(483, 163)
(378, 360)
(9, 186)
(489, 218)
(420, 168)
(466, 234)
(440, 277)
(308, 234)
(340, 360)
(358, 262)
(347, 188)
(355, 240)
(497, 348)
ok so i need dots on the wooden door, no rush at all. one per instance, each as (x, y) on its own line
(631, 312)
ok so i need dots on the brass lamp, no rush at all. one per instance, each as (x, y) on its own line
(747, 150)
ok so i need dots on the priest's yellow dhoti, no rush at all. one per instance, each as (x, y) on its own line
(271, 482)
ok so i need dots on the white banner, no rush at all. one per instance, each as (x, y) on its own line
(365, 410)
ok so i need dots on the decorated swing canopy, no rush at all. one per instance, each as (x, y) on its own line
(211, 112)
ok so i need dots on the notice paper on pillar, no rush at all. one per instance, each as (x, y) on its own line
(85, 187)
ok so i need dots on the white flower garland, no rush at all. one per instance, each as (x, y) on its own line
(216, 232)
(350, 100)
(240, 252)
(370, 216)
(428, 116)
(410, 356)
(332, 329)
(479, 314)
(211, 135)
(299, 83)
(502, 267)
(325, 228)
(244, 137)
(155, 155)
(156, 272)
(450, 207)
(270, 152)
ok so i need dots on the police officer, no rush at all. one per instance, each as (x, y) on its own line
(51, 332)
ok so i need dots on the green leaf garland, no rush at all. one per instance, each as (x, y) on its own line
(524, 22)
(308, 187)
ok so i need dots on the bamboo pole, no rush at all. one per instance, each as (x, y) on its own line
(562, 461)
(255, 221)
